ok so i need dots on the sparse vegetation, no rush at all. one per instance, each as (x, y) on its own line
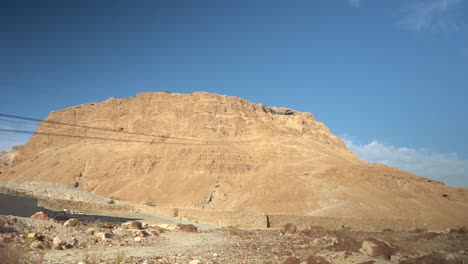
(111, 201)
(91, 258)
(149, 203)
(119, 258)
(12, 254)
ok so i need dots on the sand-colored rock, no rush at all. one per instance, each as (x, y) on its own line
(218, 152)
(40, 216)
(71, 222)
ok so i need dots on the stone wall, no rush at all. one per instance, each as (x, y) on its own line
(225, 218)
(256, 220)
(333, 223)
(59, 205)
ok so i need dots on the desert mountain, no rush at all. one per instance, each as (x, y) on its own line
(218, 152)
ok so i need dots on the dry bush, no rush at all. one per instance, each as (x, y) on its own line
(93, 258)
(12, 254)
(149, 203)
(234, 231)
(119, 258)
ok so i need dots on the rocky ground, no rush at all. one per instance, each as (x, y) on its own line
(61, 238)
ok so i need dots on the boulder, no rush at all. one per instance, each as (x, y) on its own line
(102, 235)
(139, 233)
(187, 228)
(313, 231)
(71, 222)
(58, 243)
(288, 229)
(135, 225)
(377, 248)
(40, 216)
(346, 245)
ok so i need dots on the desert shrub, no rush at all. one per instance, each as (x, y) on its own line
(420, 230)
(234, 231)
(90, 258)
(149, 203)
(119, 258)
(12, 254)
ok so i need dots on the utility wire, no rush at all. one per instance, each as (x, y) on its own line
(116, 131)
(49, 125)
(101, 138)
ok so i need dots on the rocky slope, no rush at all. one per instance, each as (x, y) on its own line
(218, 152)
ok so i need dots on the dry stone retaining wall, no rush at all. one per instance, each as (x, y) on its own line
(256, 220)
(80, 205)
(333, 223)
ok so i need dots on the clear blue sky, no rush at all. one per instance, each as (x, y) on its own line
(393, 73)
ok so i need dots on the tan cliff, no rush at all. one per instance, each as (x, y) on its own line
(218, 152)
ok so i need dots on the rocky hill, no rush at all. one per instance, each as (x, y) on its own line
(218, 152)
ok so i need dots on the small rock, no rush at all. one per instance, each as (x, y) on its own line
(195, 261)
(137, 239)
(32, 235)
(40, 216)
(135, 225)
(58, 243)
(90, 231)
(36, 245)
(313, 231)
(71, 222)
(289, 229)
(74, 242)
(187, 228)
(102, 236)
(155, 232)
(139, 233)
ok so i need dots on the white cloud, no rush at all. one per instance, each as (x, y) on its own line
(446, 167)
(354, 3)
(420, 15)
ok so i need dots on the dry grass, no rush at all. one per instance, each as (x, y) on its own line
(11, 254)
(93, 258)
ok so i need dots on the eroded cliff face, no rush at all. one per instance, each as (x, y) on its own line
(198, 116)
(219, 152)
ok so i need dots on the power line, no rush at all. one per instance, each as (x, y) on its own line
(45, 124)
(17, 122)
(113, 130)
(100, 138)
